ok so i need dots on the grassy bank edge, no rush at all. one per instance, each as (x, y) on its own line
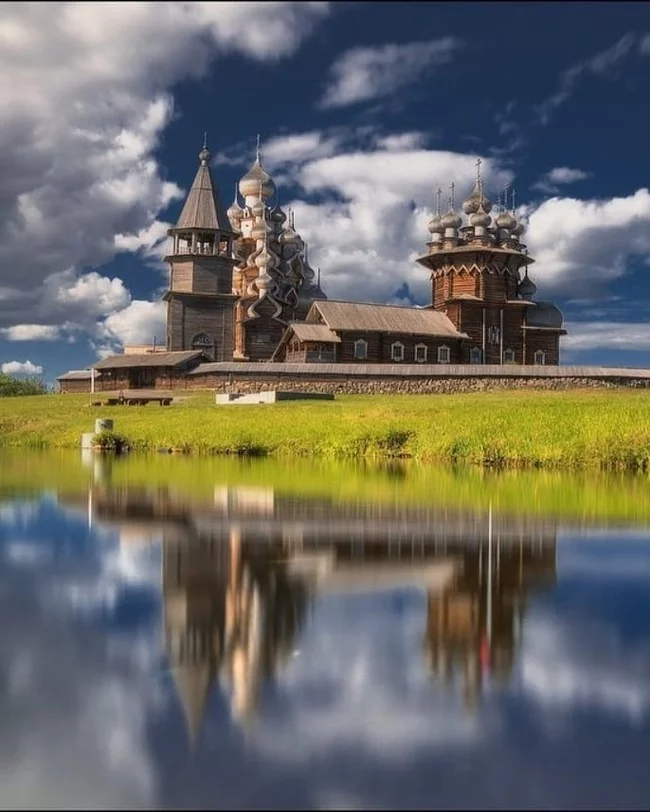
(608, 430)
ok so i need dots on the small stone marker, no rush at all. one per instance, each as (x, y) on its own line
(88, 437)
(268, 396)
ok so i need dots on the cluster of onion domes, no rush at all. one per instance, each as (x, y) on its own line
(481, 225)
(279, 257)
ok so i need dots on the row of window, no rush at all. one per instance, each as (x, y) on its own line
(421, 352)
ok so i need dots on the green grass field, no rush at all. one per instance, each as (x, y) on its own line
(607, 429)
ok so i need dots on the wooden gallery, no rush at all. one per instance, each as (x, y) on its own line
(242, 295)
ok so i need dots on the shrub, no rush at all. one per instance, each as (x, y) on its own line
(15, 387)
(109, 441)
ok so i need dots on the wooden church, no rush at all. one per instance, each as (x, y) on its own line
(241, 289)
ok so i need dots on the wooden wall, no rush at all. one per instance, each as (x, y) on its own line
(546, 340)
(187, 316)
(203, 274)
(76, 387)
(379, 347)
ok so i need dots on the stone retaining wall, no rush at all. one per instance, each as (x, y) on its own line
(377, 385)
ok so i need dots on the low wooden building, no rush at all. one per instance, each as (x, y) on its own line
(76, 381)
(353, 332)
(161, 370)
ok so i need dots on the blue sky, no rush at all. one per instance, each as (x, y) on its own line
(364, 109)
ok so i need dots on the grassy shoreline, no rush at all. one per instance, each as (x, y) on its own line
(583, 429)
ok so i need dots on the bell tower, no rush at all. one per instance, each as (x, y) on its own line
(200, 299)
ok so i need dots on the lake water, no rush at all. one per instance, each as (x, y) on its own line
(182, 633)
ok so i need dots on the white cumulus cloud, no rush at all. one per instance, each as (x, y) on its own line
(371, 219)
(363, 74)
(31, 332)
(85, 90)
(575, 242)
(21, 368)
(559, 176)
(137, 323)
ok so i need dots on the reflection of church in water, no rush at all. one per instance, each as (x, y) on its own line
(240, 574)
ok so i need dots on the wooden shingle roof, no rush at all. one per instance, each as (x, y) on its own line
(150, 359)
(385, 319)
(203, 208)
(314, 332)
(76, 375)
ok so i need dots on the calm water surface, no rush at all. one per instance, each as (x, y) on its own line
(226, 634)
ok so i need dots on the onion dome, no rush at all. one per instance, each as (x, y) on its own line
(307, 271)
(527, 288)
(264, 258)
(258, 208)
(435, 225)
(235, 212)
(277, 215)
(519, 229)
(480, 218)
(451, 220)
(257, 181)
(506, 220)
(290, 236)
(477, 200)
(260, 229)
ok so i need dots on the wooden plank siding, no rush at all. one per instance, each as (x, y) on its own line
(190, 315)
(379, 347)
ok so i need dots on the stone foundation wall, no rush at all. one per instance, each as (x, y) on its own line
(378, 385)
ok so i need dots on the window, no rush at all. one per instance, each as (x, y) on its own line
(443, 355)
(475, 355)
(201, 340)
(509, 357)
(205, 342)
(493, 335)
(397, 351)
(421, 353)
(360, 349)
(540, 357)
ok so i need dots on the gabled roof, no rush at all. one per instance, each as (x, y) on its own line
(348, 316)
(76, 375)
(203, 208)
(149, 359)
(314, 332)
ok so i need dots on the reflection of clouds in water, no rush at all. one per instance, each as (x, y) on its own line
(18, 512)
(120, 568)
(26, 553)
(361, 682)
(627, 557)
(570, 664)
(77, 703)
(74, 732)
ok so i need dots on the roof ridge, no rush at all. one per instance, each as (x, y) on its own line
(366, 304)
